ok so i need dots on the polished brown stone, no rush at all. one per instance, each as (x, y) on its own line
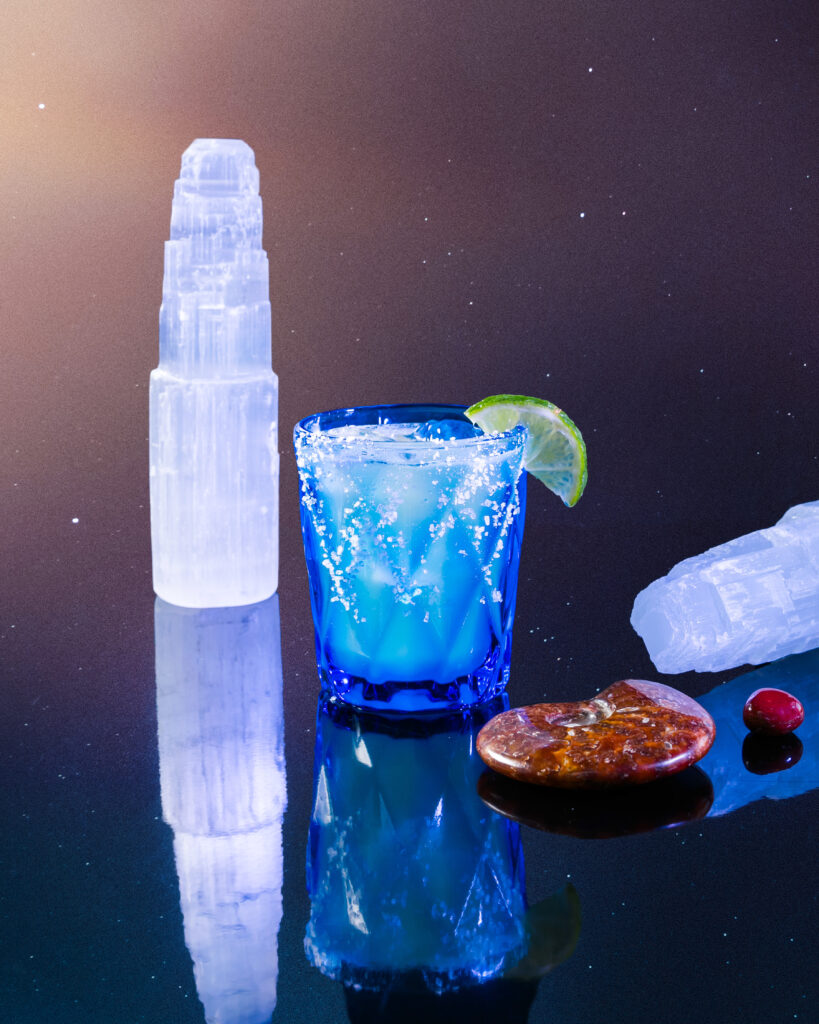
(633, 732)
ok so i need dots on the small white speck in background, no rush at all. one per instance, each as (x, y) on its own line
(41, 106)
(75, 520)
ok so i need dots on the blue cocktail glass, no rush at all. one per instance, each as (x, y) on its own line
(412, 522)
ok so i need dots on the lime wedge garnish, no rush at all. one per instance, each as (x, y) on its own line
(554, 453)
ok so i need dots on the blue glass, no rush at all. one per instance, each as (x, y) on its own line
(412, 522)
(414, 882)
(222, 776)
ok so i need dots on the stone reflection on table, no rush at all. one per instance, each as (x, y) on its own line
(416, 887)
(595, 814)
(222, 775)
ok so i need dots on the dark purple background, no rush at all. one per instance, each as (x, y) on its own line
(608, 205)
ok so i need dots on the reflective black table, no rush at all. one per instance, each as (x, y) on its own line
(168, 774)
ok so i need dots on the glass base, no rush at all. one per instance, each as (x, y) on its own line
(363, 978)
(486, 682)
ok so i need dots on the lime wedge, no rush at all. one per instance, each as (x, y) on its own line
(554, 453)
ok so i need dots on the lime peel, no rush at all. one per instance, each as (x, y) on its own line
(555, 452)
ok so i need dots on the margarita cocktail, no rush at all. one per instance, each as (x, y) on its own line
(412, 520)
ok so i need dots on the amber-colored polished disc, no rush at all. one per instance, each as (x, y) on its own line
(633, 732)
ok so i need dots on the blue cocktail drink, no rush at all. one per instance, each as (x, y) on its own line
(412, 521)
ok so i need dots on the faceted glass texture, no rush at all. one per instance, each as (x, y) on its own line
(414, 883)
(412, 522)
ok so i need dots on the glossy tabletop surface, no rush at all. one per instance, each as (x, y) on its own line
(614, 212)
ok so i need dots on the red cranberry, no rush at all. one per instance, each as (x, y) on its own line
(772, 712)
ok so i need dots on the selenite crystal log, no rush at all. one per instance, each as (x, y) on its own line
(752, 600)
(214, 463)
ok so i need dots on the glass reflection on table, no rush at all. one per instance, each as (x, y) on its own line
(410, 876)
(417, 889)
(222, 776)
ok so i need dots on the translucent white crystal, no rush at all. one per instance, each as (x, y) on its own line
(222, 779)
(214, 397)
(752, 600)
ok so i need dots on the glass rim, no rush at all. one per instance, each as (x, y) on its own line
(317, 425)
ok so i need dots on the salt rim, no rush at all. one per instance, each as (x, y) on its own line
(312, 432)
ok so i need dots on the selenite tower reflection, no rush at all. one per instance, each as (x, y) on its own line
(222, 776)
(416, 887)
